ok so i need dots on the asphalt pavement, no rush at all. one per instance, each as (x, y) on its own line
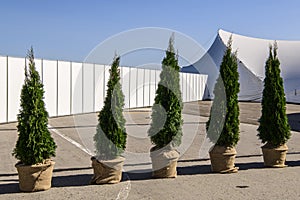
(72, 173)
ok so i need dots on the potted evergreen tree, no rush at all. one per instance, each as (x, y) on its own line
(223, 124)
(110, 137)
(35, 146)
(274, 129)
(166, 126)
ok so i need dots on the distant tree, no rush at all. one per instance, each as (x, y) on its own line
(34, 143)
(274, 127)
(110, 138)
(223, 124)
(168, 103)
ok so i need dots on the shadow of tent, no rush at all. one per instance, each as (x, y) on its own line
(294, 121)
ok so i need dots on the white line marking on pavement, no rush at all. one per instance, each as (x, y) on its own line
(124, 192)
(71, 141)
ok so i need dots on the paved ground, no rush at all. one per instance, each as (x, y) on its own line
(195, 181)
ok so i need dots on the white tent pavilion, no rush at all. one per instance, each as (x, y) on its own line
(252, 54)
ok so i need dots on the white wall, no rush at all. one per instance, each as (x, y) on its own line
(3, 88)
(73, 88)
(15, 80)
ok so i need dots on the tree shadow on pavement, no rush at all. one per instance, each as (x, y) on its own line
(57, 181)
(258, 165)
(294, 121)
(71, 180)
(189, 170)
(252, 165)
(10, 188)
(293, 163)
(136, 176)
(193, 170)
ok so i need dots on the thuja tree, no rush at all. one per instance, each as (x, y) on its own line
(274, 127)
(223, 124)
(168, 103)
(110, 138)
(34, 143)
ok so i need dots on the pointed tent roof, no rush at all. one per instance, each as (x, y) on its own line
(252, 54)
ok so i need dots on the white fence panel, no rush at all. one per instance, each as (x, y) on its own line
(198, 90)
(88, 88)
(152, 86)
(38, 67)
(194, 88)
(181, 84)
(3, 88)
(76, 98)
(99, 87)
(64, 92)
(184, 87)
(140, 87)
(203, 82)
(15, 81)
(106, 78)
(50, 86)
(198, 87)
(147, 87)
(73, 88)
(125, 80)
(157, 78)
(133, 88)
(190, 87)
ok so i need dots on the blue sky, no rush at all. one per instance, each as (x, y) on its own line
(69, 30)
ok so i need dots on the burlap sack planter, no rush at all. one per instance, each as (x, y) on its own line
(274, 157)
(34, 178)
(107, 171)
(164, 163)
(222, 159)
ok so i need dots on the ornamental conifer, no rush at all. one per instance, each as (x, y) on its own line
(168, 103)
(34, 143)
(110, 138)
(274, 127)
(223, 124)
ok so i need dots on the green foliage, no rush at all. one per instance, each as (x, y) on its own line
(168, 104)
(274, 127)
(34, 143)
(223, 124)
(110, 138)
